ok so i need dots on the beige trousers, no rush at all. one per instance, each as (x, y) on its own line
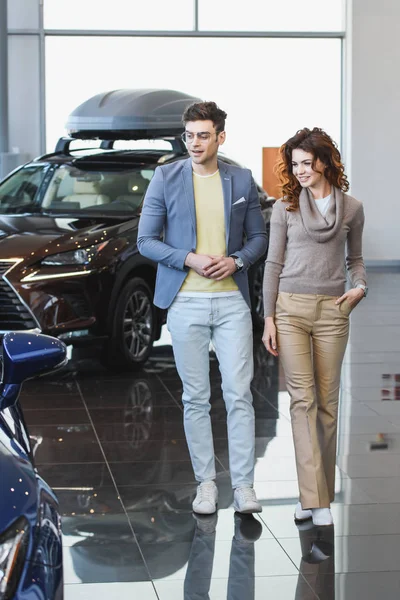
(312, 333)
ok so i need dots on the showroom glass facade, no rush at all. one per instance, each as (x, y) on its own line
(265, 105)
(274, 67)
(202, 15)
(119, 14)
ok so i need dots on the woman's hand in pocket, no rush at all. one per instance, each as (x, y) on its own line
(353, 297)
(269, 336)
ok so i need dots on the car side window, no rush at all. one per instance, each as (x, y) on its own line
(20, 190)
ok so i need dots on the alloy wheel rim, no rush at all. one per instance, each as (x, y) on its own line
(138, 324)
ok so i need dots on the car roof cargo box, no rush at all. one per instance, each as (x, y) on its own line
(130, 114)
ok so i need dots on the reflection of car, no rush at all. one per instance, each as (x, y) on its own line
(30, 533)
(69, 265)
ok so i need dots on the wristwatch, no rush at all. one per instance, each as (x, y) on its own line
(238, 262)
(364, 288)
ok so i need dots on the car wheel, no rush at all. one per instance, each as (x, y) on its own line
(256, 290)
(134, 328)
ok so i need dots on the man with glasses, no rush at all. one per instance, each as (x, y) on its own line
(202, 223)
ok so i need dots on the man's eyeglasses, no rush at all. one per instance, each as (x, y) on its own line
(202, 136)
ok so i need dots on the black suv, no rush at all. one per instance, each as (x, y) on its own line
(69, 264)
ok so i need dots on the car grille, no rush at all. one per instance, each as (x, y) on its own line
(14, 316)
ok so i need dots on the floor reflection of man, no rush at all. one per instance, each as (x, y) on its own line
(317, 567)
(241, 564)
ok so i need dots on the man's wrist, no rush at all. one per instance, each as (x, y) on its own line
(237, 261)
(233, 261)
(188, 259)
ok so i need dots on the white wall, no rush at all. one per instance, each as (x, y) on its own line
(374, 122)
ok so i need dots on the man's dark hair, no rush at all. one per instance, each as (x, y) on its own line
(205, 111)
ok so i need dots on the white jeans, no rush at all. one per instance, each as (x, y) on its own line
(225, 321)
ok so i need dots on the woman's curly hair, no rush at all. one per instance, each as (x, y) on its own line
(322, 147)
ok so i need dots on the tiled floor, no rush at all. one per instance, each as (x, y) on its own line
(113, 448)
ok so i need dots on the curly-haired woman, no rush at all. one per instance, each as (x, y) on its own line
(316, 229)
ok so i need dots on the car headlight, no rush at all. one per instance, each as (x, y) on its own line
(80, 256)
(13, 548)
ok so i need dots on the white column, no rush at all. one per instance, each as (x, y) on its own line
(372, 125)
(24, 86)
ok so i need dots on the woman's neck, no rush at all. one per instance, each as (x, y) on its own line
(321, 191)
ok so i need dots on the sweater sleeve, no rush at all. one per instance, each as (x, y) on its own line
(276, 257)
(354, 258)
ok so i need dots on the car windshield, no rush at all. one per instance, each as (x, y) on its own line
(69, 189)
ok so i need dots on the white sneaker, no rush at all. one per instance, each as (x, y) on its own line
(206, 499)
(245, 500)
(300, 514)
(322, 516)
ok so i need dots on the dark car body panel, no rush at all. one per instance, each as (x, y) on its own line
(63, 304)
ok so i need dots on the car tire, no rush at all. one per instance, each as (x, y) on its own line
(134, 327)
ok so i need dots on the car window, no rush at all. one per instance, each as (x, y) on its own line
(72, 189)
(19, 192)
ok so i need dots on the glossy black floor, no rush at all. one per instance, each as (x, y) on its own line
(113, 448)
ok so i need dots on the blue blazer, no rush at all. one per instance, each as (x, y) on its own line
(167, 227)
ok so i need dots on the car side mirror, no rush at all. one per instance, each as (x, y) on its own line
(27, 355)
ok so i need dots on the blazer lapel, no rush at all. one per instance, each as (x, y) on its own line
(187, 176)
(226, 180)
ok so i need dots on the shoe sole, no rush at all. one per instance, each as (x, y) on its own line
(199, 512)
(249, 511)
(305, 525)
(300, 521)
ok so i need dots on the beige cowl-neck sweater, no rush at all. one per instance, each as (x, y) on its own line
(307, 251)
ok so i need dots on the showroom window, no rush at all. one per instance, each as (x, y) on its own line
(270, 84)
(137, 15)
(270, 87)
(209, 15)
(270, 15)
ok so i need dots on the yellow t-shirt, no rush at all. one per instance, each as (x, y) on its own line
(210, 221)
